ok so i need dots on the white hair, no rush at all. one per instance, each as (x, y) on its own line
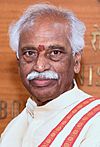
(77, 28)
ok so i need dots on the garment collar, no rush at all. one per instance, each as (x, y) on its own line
(60, 102)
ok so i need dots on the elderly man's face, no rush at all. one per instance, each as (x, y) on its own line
(44, 47)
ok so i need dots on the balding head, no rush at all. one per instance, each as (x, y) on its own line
(45, 12)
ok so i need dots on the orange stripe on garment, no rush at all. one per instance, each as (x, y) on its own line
(52, 135)
(71, 138)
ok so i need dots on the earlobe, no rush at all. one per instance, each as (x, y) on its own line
(17, 60)
(77, 67)
(77, 62)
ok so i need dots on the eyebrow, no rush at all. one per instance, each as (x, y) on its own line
(56, 46)
(49, 47)
(28, 47)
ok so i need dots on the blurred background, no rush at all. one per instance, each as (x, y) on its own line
(13, 95)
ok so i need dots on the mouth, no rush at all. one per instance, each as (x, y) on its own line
(42, 82)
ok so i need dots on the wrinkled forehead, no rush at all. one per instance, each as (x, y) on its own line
(47, 23)
(45, 31)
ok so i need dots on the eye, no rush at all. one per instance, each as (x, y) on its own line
(29, 53)
(56, 52)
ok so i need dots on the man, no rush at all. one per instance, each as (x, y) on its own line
(48, 42)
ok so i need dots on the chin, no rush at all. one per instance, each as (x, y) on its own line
(44, 95)
(42, 99)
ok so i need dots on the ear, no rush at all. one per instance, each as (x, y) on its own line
(17, 59)
(77, 59)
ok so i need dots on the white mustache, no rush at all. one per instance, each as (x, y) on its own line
(46, 74)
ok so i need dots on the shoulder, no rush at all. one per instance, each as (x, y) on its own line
(15, 125)
(92, 136)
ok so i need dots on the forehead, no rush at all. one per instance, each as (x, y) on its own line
(45, 32)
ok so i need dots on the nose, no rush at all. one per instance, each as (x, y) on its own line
(42, 64)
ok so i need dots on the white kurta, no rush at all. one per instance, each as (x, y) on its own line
(32, 126)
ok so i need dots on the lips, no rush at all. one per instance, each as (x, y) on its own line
(42, 82)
